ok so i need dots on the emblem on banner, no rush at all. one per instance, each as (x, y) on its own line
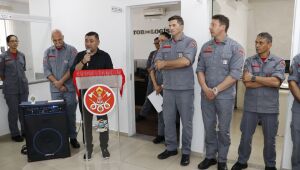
(99, 100)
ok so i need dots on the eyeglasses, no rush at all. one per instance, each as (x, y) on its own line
(14, 41)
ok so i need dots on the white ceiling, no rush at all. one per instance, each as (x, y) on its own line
(12, 1)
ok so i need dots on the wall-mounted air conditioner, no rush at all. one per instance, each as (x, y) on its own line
(154, 12)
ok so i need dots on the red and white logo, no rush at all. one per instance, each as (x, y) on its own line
(99, 100)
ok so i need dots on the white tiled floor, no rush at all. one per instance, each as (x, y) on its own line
(131, 153)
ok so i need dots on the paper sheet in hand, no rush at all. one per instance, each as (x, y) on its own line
(156, 101)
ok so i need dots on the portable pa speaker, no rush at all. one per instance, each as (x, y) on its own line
(46, 130)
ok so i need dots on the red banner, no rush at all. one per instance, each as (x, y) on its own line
(100, 72)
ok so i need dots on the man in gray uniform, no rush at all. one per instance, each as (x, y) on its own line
(219, 67)
(147, 106)
(175, 58)
(57, 62)
(263, 75)
(15, 85)
(157, 80)
(294, 84)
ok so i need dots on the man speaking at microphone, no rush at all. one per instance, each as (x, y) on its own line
(91, 59)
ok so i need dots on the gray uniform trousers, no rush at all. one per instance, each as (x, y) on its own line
(70, 99)
(269, 123)
(183, 102)
(15, 113)
(295, 132)
(147, 106)
(160, 124)
(87, 129)
(217, 142)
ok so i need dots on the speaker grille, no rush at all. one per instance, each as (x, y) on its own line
(47, 141)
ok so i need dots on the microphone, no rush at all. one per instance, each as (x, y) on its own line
(88, 51)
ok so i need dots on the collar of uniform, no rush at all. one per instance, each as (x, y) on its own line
(8, 53)
(63, 47)
(270, 57)
(180, 38)
(213, 42)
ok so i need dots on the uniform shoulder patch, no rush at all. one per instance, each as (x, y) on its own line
(282, 63)
(193, 44)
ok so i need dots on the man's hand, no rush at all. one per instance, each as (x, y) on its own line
(58, 84)
(247, 76)
(86, 58)
(160, 64)
(158, 89)
(63, 89)
(209, 94)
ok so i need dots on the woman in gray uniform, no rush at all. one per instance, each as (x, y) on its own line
(15, 85)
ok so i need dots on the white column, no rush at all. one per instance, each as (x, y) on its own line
(287, 146)
(196, 15)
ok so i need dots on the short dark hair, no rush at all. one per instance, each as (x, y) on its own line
(9, 37)
(177, 18)
(166, 34)
(156, 39)
(92, 33)
(223, 20)
(266, 36)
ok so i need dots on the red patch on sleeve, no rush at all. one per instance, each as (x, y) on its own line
(241, 52)
(282, 63)
(193, 44)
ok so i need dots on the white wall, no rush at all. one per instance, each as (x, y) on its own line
(143, 43)
(237, 12)
(40, 33)
(275, 17)
(295, 49)
(196, 15)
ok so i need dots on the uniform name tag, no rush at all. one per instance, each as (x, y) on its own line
(225, 62)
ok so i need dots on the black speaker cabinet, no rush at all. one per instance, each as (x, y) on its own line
(46, 130)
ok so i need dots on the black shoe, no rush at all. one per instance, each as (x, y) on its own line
(158, 139)
(222, 166)
(206, 163)
(166, 154)
(185, 160)
(88, 158)
(239, 166)
(140, 118)
(17, 138)
(105, 153)
(74, 143)
(270, 168)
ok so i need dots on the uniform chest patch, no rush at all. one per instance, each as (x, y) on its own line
(208, 49)
(167, 46)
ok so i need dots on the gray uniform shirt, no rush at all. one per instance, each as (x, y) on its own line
(180, 78)
(264, 99)
(295, 76)
(58, 62)
(158, 74)
(219, 60)
(13, 70)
